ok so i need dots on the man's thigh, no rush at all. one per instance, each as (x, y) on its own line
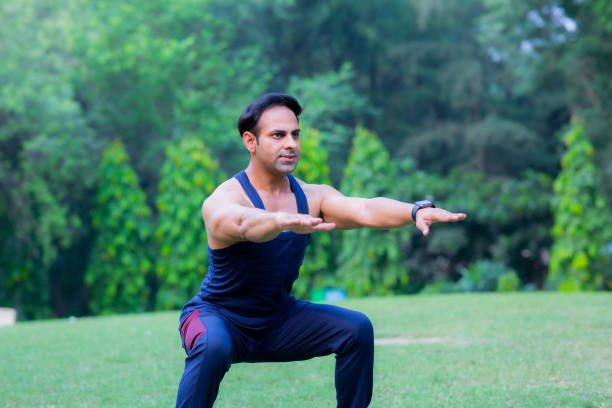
(200, 326)
(310, 330)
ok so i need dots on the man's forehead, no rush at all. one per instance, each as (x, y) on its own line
(278, 116)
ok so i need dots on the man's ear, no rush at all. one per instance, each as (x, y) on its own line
(250, 141)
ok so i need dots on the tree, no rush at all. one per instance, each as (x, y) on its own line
(120, 263)
(369, 260)
(317, 269)
(557, 55)
(45, 157)
(158, 71)
(334, 108)
(494, 206)
(582, 219)
(586, 65)
(188, 176)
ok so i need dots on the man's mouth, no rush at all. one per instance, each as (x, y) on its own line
(289, 157)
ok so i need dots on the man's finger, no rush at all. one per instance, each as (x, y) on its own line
(307, 220)
(324, 226)
(422, 226)
(454, 217)
(315, 221)
(448, 216)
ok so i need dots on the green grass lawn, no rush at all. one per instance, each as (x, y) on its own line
(489, 350)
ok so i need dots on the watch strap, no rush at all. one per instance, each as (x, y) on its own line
(420, 204)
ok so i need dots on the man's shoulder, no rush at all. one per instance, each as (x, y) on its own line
(314, 189)
(229, 190)
(228, 185)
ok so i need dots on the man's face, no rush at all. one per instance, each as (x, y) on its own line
(278, 144)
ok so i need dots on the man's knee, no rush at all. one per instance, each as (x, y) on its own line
(205, 365)
(213, 352)
(220, 346)
(206, 340)
(362, 331)
(215, 348)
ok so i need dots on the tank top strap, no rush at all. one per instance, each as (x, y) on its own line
(300, 197)
(243, 179)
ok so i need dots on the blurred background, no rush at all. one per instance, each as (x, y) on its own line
(118, 118)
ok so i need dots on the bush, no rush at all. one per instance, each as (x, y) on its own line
(581, 232)
(370, 260)
(120, 263)
(313, 168)
(487, 276)
(508, 282)
(440, 287)
(188, 176)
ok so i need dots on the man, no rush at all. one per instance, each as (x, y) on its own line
(258, 225)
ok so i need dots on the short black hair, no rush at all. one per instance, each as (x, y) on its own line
(247, 122)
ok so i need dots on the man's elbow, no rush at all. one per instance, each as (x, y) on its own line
(242, 231)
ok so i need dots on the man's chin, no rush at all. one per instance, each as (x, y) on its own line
(286, 168)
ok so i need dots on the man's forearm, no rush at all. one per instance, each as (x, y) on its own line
(384, 213)
(380, 213)
(258, 225)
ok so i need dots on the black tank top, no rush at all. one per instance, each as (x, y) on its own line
(250, 281)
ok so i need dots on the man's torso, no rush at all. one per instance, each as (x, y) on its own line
(249, 282)
(285, 202)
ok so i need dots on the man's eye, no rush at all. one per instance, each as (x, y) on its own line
(277, 135)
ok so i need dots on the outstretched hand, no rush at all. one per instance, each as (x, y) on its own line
(302, 223)
(427, 216)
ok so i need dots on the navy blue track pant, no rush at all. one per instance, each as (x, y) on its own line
(310, 330)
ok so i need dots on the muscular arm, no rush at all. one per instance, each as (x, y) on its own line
(380, 212)
(228, 221)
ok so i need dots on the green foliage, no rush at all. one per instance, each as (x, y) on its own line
(586, 64)
(508, 282)
(442, 286)
(157, 71)
(493, 145)
(313, 167)
(188, 176)
(120, 262)
(493, 206)
(603, 10)
(331, 103)
(557, 56)
(582, 219)
(466, 96)
(332, 106)
(487, 276)
(316, 271)
(45, 155)
(369, 260)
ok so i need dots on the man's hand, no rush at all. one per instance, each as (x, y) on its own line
(302, 223)
(427, 216)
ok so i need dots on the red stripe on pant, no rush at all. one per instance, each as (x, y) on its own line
(192, 329)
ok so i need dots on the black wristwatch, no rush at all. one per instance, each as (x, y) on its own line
(420, 204)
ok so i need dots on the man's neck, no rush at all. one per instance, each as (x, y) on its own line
(263, 180)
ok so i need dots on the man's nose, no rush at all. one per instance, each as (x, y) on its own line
(290, 142)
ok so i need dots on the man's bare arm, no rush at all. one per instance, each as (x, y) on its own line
(379, 213)
(229, 221)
